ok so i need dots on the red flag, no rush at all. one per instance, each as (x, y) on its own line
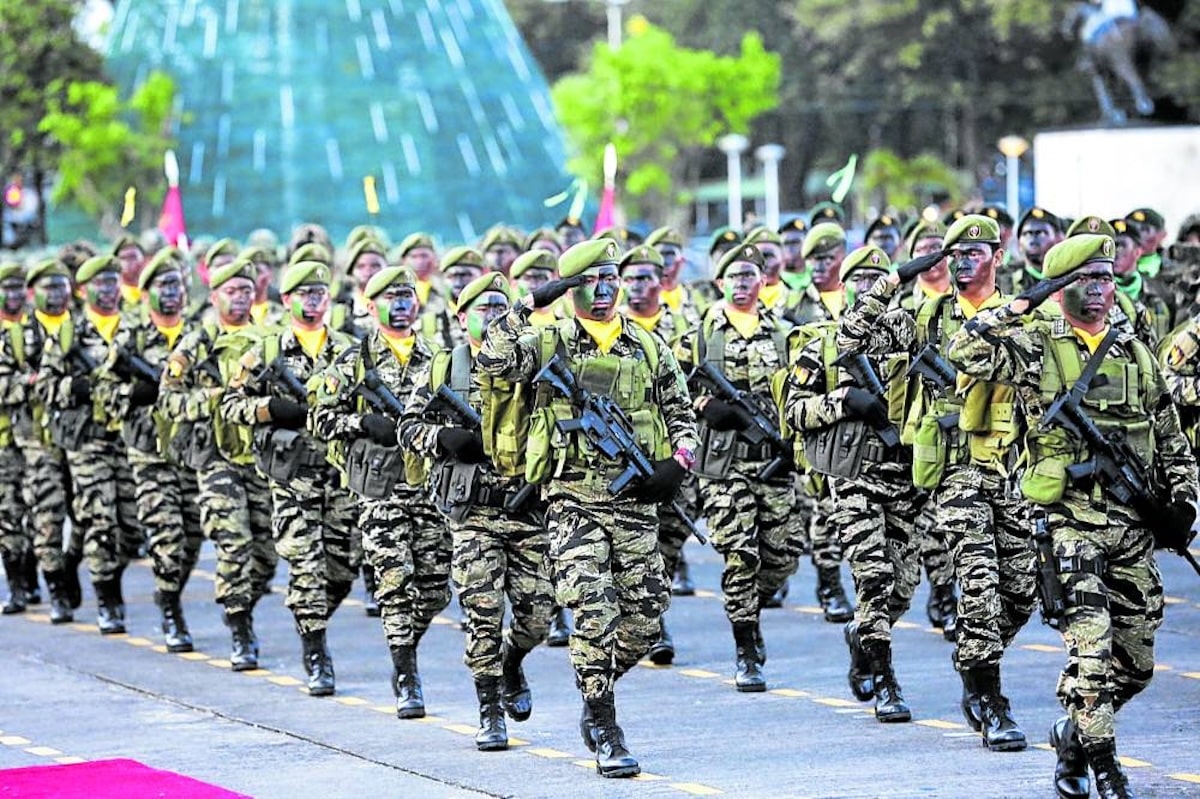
(170, 221)
(608, 200)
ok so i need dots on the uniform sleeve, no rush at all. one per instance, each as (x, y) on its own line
(15, 379)
(868, 326)
(53, 382)
(806, 406)
(1180, 363)
(416, 432)
(510, 348)
(245, 401)
(674, 400)
(998, 347)
(1172, 450)
(110, 391)
(185, 393)
(334, 415)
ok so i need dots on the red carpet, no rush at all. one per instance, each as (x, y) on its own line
(106, 779)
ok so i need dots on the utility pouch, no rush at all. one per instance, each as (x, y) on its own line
(453, 488)
(1052, 596)
(139, 433)
(70, 428)
(193, 446)
(837, 450)
(716, 452)
(372, 469)
(278, 453)
(539, 452)
(1045, 479)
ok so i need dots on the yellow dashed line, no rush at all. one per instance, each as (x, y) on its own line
(83, 628)
(136, 641)
(695, 788)
(40, 618)
(646, 776)
(383, 709)
(1173, 600)
(220, 664)
(584, 763)
(517, 742)
(701, 673)
(1047, 747)
(906, 625)
(1133, 762)
(1163, 667)
(159, 648)
(193, 655)
(791, 693)
(70, 760)
(428, 719)
(14, 740)
(704, 593)
(542, 751)
(255, 673)
(938, 724)
(442, 620)
(809, 609)
(351, 700)
(1041, 648)
(1194, 675)
(43, 751)
(462, 729)
(831, 702)
(1185, 777)
(283, 679)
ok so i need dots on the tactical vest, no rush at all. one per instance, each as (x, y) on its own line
(234, 441)
(1189, 415)
(1117, 402)
(987, 425)
(628, 381)
(33, 427)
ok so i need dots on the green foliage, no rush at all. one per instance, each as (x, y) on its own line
(907, 184)
(661, 105)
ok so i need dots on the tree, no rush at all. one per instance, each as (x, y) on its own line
(662, 106)
(904, 185)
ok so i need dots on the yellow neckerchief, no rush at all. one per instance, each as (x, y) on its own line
(931, 292)
(131, 294)
(834, 301)
(1092, 340)
(769, 295)
(968, 308)
(171, 333)
(51, 323)
(543, 317)
(259, 311)
(401, 346)
(232, 328)
(744, 323)
(423, 289)
(673, 298)
(605, 334)
(312, 341)
(650, 323)
(475, 348)
(106, 325)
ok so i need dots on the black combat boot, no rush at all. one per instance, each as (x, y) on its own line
(559, 633)
(682, 585)
(174, 626)
(749, 677)
(29, 566)
(760, 646)
(516, 697)
(70, 575)
(406, 683)
(587, 727)
(889, 701)
(110, 612)
(1071, 780)
(612, 758)
(244, 652)
(662, 652)
(60, 605)
(318, 664)
(492, 735)
(999, 728)
(860, 676)
(1111, 782)
(776, 599)
(942, 606)
(970, 699)
(18, 598)
(832, 596)
(370, 604)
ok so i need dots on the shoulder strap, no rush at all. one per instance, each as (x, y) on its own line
(460, 370)
(1092, 366)
(649, 346)
(926, 314)
(270, 347)
(66, 333)
(16, 336)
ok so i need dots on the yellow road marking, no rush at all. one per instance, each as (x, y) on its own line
(220, 664)
(1185, 777)
(701, 673)
(704, 593)
(44, 751)
(517, 742)
(255, 672)
(1041, 648)
(136, 641)
(350, 700)
(14, 740)
(69, 760)
(646, 776)
(40, 618)
(810, 610)
(831, 702)
(584, 763)
(427, 719)
(160, 649)
(463, 729)
(193, 655)
(695, 788)
(1173, 600)
(383, 709)
(1047, 747)
(789, 692)
(1195, 675)
(83, 628)
(283, 679)
(906, 625)
(542, 751)
(1133, 762)
(938, 724)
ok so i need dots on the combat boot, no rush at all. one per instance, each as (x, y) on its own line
(860, 676)
(999, 728)
(749, 677)
(559, 633)
(110, 611)
(760, 646)
(406, 683)
(775, 600)
(71, 561)
(492, 735)
(889, 701)
(174, 626)
(318, 664)
(244, 652)
(662, 652)
(1111, 782)
(29, 567)
(370, 604)
(832, 596)
(942, 606)
(516, 698)
(60, 605)
(682, 585)
(14, 570)
(970, 699)
(587, 727)
(612, 757)
(1071, 780)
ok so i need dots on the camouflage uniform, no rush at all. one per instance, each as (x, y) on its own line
(438, 323)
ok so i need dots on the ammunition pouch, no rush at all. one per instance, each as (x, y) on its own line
(455, 489)
(839, 449)
(193, 446)
(930, 451)
(1051, 594)
(71, 427)
(372, 469)
(539, 450)
(718, 448)
(138, 432)
(1045, 478)
(279, 453)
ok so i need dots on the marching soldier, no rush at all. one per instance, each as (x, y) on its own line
(265, 311)
(675, 295)
(774, 291)
(129, 252)
(500, 247)
(1037, 232)
(460, 265)
(1129, 302)
(795, 274)
(884, 233)
(16, 546)
(350, 314)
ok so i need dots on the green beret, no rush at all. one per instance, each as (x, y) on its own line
(743, 252)
(763, 233)
(164, 260)
(795, 224)
(973, 228)
(826, 212)
(1037, 214)
(664, 235)
(500, 234)
(48, 267)
(1070, 254)
(465, 256)
(587, 254)
(642, 254)
(997, 214)
(541, 234)
(1146, 216)
(365, 246)
(534, 259)
(1091, 224)
(952, 217)
(823, 237)
(312, 251)
(723, 235)
(11, 269)
(222, 247)
(1122, 227)
(302, 272)
(617, 233)
(363, 232)
(125, 241)
(868, 257)
(492, 281)
(392, 276)
(884, 221)
(255, 254)
(264, 238)
(95, 265)
(238, 267)
(414, 240)
(924, 230)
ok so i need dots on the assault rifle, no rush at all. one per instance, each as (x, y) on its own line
(938, 372)
(608, 429)
(137, 366)
(378, 395)
(277, 374)
(860, 370)
(760, 430)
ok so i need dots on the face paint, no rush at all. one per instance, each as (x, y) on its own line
(772, 262)
(741, 284)
(488, 307)
(642, 288)
(233, 300)
(458, 277)
(103, 293)
(673, 262)
(972, 265)
(51, 294)
(422, 261)
(826, 268)
(886, 239)
(12, 290)
(500, 257)
(1035, 239)
(308, 303)
(533, 279)
(396, 307)
(262, 282)
(1090, 298)
(596, 299)
(366, 266)
(796, 280)
(166, 293)
(860, 282)
(132, 260)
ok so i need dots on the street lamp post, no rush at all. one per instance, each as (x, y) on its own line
(1013, 147)
(613, 10)
(770, 155)
(733, 145)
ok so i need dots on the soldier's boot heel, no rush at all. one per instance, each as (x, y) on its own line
(662, 652)
(174, 626)
(243, 654)
(60, 605)
(1000, 730)
(370, 603)
(406, 683)
(889, 701)
(1110, 782)
(682, 585)
(612, 756)
(860, 678)
(749, 676)
(559, 633)
(110, 608)
(1071, 778)
(18, 598)
(970, 700)
(935, 606)
(775, 600)
(318, 664)
(29, 567)
(516, 698)
(74, 588)
(587, 727)
(832, 596)
(493, 734)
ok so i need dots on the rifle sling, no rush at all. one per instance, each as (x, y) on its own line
(1084, 383)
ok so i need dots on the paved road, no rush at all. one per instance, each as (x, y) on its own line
(69, 694)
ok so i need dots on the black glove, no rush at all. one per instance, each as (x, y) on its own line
(287, 414)
(465, 446)
(81, 389)
(663, 485)
(554, 289)
(380, 429)
(1040, 291)
(910, 269)
(721, 415)
(1175, 532)
(863, 405)
(144, 393)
